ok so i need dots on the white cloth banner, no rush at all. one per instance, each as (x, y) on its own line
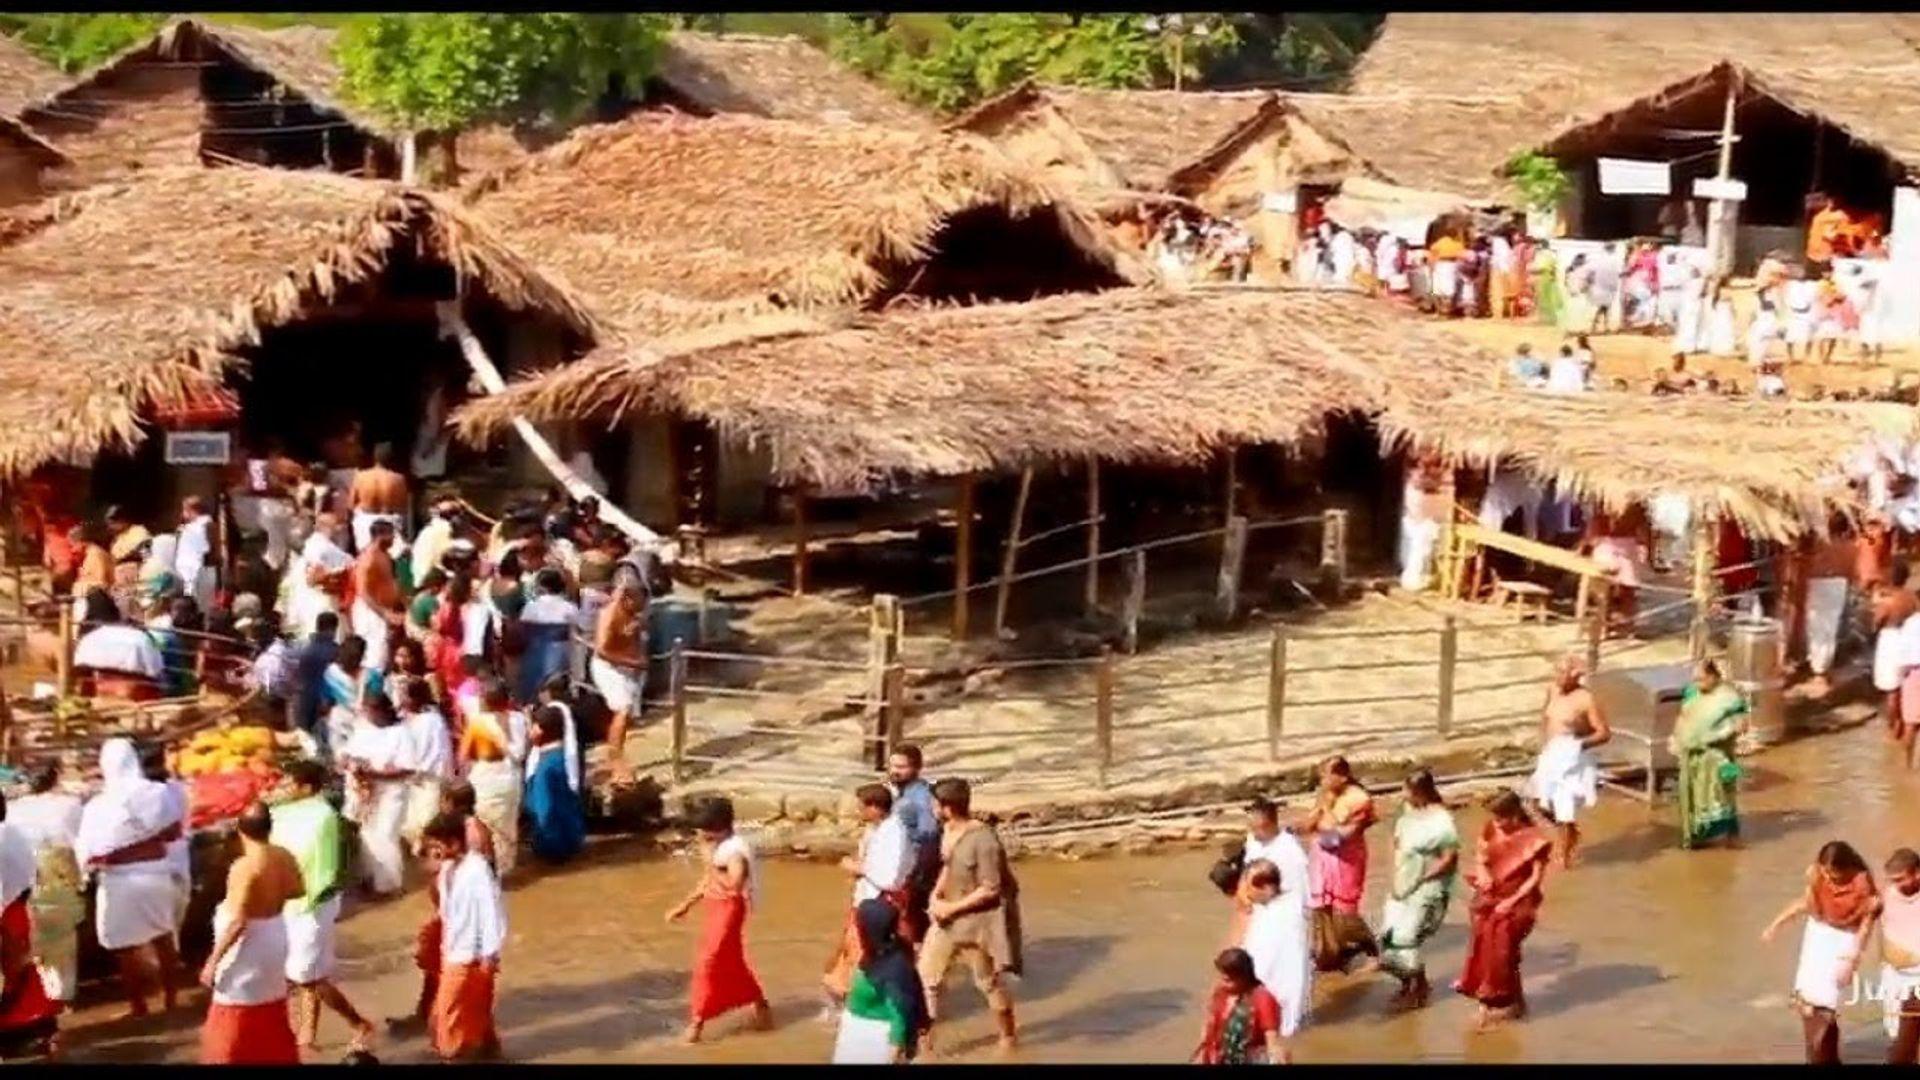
(1625, 176)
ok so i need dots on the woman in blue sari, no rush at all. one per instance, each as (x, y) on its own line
(546, 626)
(559, 822)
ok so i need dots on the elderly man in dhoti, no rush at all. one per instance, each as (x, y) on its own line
(1567, 777)
(379, 609)
(247, 1016)
(123, 837)
(377, 493)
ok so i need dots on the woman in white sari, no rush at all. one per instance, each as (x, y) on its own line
(493, 749)
(344, 687)
(378, 761)
(123, 837)
(1279, 938)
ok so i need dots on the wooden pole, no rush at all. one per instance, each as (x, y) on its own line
(1705, 546)
(1233, 483)
(677, 691)
(1333, 549)
(883, 654)
(1103, 714)
(1718, 247)
(1233, 558)
(1276, 693)
(1003, 594)
(1093, 535)
(1449, 660)
(895, 712)
(64, 670)
(799, 541)
(1136, 600)
(962, 556)
(1597, 629)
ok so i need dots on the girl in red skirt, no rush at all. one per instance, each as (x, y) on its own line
(722, 979)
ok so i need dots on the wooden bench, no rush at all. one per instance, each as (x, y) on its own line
(1525, 598)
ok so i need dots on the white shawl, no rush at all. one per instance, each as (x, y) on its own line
(130, 808)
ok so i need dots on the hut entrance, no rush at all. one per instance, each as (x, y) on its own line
(986, 254)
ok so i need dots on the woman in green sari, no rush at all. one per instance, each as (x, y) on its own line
(1548, 301)
(1712, 716)
(1426, 856)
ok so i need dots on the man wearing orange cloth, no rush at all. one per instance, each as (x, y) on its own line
(247, 1018)
(473, 920)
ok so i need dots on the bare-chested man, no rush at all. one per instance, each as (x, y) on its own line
(619, 665)
(378, 607)
(1567, 776)
(247, 1020)
(378, 493)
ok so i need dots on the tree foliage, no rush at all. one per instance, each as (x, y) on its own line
(445, 71)
(1542, 183)
(74, 42)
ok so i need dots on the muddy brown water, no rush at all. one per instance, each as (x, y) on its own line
(1643, 953)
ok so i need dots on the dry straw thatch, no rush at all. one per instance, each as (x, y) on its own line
(1152, 376)
(667, 220)
(782, 77)
(24, 77)
(132, 293)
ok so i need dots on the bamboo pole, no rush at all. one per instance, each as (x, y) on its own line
(883, 654)
(64, 668)
(962, 557)
(1136, 599)
(1103, 714)
(1705, 546)
(1003, 595)
(1449, 662)
(1233, 557)
(1233, 483)
(894, 713)
(677, 691)
(1333, 548)
(1276, 693)
(799, 541)
(1093, 535)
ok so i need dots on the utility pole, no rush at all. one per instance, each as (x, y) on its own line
(1719, 243)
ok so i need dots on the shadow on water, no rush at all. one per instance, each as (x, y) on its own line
(1661, 833)
(601, 1015)
(1113, 1016)
(1592, 984)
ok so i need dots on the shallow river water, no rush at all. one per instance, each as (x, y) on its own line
(1643, 953)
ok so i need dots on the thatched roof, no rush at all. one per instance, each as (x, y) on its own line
(1128, 375)
(782, 77)
(24, 77)
(1151, 376)
(137, 292)
(300, 58)
(703, 218)
(1769, 465)
(1442, 100)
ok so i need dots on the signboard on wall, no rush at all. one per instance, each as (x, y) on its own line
(1708, 187)
(1625, 176)
(199, 447)
(1280, 202)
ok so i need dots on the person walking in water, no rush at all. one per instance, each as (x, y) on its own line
(1842, 906)
(1900, 956)
(1567, 777)
(722, 979)
(309, 829)
(975, 911)
(247, 1016)
(1426, 860)
(1509, 868)
(1342, 814)
(1243, 1018)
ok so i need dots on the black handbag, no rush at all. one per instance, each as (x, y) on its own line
(1226, 870)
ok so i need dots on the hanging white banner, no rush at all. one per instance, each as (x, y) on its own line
(1625, 176)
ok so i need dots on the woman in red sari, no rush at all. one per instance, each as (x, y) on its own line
(1510, 866)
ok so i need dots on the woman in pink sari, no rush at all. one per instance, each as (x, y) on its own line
(1337, 863)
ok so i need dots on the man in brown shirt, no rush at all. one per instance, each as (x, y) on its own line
(975, 911)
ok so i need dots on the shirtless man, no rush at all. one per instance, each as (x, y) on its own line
(246, 1022)
(619, 665)
(378, 607)
(1571, 725)
(378, 493)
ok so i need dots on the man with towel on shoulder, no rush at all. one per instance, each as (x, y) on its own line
(1567, 776)
(124, 833)
(308, 828)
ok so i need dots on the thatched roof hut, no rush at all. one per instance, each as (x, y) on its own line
(1771, 466)
(24, 77)
(24, 155)
(1155, 377)
(665, 219)
(145, 291)
(781, 77)
(201, 92)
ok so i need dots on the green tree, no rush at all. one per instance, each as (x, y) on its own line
(444, 72)
(1542, 183)
(76, 42)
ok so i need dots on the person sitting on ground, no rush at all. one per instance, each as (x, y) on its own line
(1526, 368)
(123, 660)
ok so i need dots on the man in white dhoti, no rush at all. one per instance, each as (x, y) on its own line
(1420, 508)
(308, 827)
(1690, 313)
(153, 764)
(1900, 956)
(123, 837)
(1344, 254)
(1800, 295)
(190, 558)
(1842, 907)
(378, 761)
(1566, 776)
(879, 870)
(379, 609)
(377, 493)
(1279, 938)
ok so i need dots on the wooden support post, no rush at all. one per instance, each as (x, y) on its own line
(1582, 598)
(1009, 557)
(1093, 535)
(1233, 484)
(1276, 693)
(1103, 714)
(962, 556)
(64, 670)
(19, 591)
(1449, 542)
(894, 712)
(1136, 600)
(800, 541)
(1449, 661)
(1705, 547)
(677, 693)
(1233, 557)
(883, 654)
(1597, 629)
(1333, 549)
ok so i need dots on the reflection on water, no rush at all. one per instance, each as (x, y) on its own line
(1644, 952)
